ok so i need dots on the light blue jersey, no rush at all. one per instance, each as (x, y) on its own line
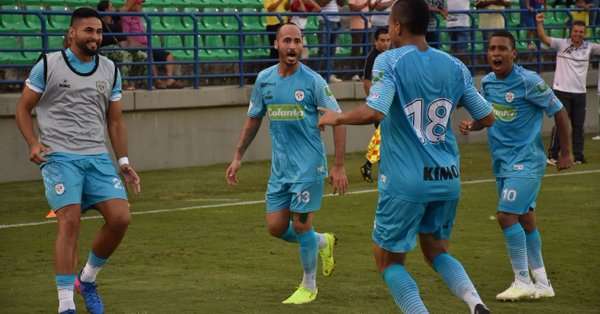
(515, 139)
(37, 83)
(417, 91)
(291, 103)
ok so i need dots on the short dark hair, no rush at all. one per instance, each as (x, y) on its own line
(103, 5)
(379, 31)
(505, 34)
(82, 13)
(578, 23)
(412, 14)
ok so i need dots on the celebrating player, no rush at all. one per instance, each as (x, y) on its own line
(290, 93)
(520, 98)
(415, 89)
(75, 92)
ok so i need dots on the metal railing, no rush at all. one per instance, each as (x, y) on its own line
(242, 59)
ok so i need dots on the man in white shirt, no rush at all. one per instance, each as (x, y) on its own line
(381, 6)
(572, 62)
(458, 26)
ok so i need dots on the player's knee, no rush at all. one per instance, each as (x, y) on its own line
(120, 222)
(276, 230)
(301, 227)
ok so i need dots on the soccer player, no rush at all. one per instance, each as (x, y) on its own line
(290, 93)
(415, 90)
(520, 98)
(76, 94)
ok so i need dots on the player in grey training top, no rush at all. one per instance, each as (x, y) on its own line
(76, 94)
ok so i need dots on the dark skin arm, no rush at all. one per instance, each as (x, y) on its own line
(249, 131)
(563, 127)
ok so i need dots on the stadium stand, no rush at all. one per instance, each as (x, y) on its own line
(228, 32)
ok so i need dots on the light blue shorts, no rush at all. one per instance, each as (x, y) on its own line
(300, 197)
(80, 179)
(517, 195)
(397, 222)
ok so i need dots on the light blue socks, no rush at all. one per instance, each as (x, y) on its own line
(404, 289)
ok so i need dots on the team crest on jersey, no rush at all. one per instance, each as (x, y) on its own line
(299, 95)
(101, 86)
(509, 97)
(542, 87)
(59, 188)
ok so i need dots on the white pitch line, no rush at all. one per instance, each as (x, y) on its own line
(244, 203)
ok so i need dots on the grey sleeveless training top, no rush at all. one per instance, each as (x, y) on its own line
(72, 110)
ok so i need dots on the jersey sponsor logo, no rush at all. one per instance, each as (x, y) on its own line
(299, 95)
(59, 189)
(518, 167)
(440, 173)
(542, 87)
(101, 86)
(285, 112)
(504, 113)
(377, 76)
(509, 97)
(64, 84)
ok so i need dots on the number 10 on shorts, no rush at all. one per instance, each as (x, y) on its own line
(509, 195)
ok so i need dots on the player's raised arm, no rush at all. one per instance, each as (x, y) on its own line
(539, 20)
(25, 105)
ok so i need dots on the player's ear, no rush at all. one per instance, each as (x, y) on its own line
(275, 44)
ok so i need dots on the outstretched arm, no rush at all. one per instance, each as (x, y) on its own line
(362, 114)
(251, 127)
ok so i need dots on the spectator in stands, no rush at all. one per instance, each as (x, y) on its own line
(273, 22)
(358, 26)
(583, 12)
(458, 27)
(433, 34)
(112, 24)
(303, 6)
(133, 24)
(572, 62)
(529, 8)
(329, 26)
(491, 22)
(381, 21)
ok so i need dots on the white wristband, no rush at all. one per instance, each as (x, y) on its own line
(123, 161)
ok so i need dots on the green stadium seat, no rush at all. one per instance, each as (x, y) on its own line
(254, 47)
(156, 42)
(257, 4)
(11, 57)
(173, 23)
(156, 21)
(344, 42)
(312, 23)
(154, 4)
(232, 45)
(32, 43)
(479, 42)
(56, 42)
(562, 17)
(188, 22)
(252, 23)
(556, 32)
(514, 19)
(230, 22)
(236, 4)
(74, 4)
(212, 23)
(177, 42)
(522, 41)
(445, 41)
(13, 22)
(59, 23)
(311, 41)
(33, 21)
(212, 3)
(213, 45)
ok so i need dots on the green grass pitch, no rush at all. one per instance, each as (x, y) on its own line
(209, 259)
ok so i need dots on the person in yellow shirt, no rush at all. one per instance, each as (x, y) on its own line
(273, 21)
(582, 13)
